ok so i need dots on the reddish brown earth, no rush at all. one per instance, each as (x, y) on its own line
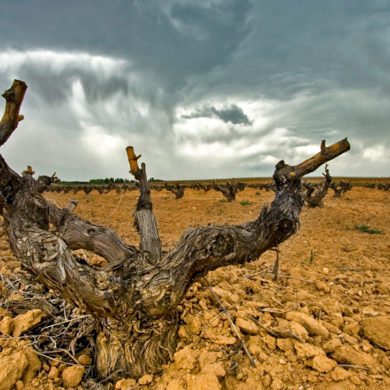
(324, 324)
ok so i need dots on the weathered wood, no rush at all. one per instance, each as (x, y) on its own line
(314, 196)
(11, 118)
(229, 190)
(340, 188)
(176, 189)
(144, 219)
(136, 296)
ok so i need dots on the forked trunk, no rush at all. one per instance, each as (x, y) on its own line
(136, 296)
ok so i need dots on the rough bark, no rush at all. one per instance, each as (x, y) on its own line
(340, 188)
(144, 219)
(229, 190)
(176, 189)
(136, 296)
(314, 196)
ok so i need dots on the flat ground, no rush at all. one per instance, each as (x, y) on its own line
(324, 324)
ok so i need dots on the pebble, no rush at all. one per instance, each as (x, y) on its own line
(124, 384)
(53, 373)
(339, 374)
(85, 360)
(146, 379)
(72, 376)
(322, 363)
(313, 326)
(6, 325)
(24, 322)
(246, 326)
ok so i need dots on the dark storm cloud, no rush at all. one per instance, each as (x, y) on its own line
(188, 38)
(231, 113)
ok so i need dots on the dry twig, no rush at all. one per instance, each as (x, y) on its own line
(253, 364)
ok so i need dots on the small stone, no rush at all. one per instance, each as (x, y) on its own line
(266, 380)
(186, 358)
(313, 326)
(322, 286)
(146, 379)
(175, 384)
(72, 376)
(337, 319)
(62, 367)
(85, 360)
(56, 362)
(53, 373)
(211, 333)
(285, 344)
(322, 363)
(355, 380)
(216, 368)
(254, 345)
(182, 333)
(332, 328)
(193, 324)
(24, 322)
(331, 345)
(352, 328)
(124, 384)
(306, 350)
(277, 384)
(339, 374)
(246, 326)
(208, 381)
(299, 330)
(270, 341)
(6, 325)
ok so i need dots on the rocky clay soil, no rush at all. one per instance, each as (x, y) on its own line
(323, 324)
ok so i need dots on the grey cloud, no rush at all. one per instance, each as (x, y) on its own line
(230, 113)
(141, 31)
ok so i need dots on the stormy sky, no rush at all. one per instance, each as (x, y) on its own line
(201, 88)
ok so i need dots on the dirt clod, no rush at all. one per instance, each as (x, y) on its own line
(246, 326)
(313, 326)
(377, 330)
(72, 376)
(24, 322)
(322, 363)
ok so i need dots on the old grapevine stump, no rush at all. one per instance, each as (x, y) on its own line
(136, 297)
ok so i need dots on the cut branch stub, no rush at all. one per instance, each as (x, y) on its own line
(11, 118)
(133, 160)
(144, 219)
(326, 154)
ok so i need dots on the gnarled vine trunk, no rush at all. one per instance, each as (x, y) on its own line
(229, 190)
(314, 196)
(136, 296)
